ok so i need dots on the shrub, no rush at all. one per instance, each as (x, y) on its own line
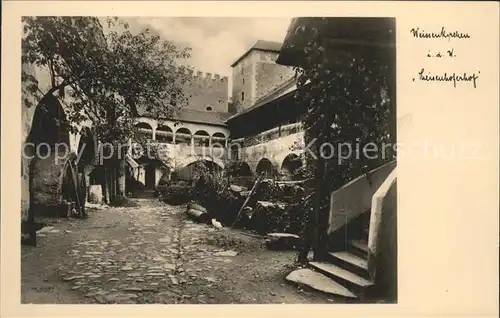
(121, 201)
(175, 192)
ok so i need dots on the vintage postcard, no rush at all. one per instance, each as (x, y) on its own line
(195, 153)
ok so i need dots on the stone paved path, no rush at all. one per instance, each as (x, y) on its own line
(152, 253)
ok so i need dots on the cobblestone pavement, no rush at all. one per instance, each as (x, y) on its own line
(152, 253)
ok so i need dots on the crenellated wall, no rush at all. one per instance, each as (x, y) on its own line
(207, 91)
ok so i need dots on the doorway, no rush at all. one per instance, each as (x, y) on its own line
(150, 176)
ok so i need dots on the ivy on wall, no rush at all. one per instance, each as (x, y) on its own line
(347, 93)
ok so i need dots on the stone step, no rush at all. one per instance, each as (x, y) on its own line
(365, 233)
(359, 248)
(353, 282)
(351, 259)
(319, 282)
(350, 262)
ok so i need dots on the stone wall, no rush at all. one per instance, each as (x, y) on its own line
(274, 150)
(269, 75)
(256, 76)
(207, 91)
(243, 83)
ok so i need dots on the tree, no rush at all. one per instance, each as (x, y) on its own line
(348, 96)
(110, 76)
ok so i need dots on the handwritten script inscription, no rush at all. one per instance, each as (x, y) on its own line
(449, 76)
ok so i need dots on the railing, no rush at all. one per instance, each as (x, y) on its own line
(183, 138)
(268, 135)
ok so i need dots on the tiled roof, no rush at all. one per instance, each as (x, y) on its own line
(261, 45)
(204, 117)
(280, 91)
(195, 116)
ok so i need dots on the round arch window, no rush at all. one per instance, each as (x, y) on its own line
(209, 108)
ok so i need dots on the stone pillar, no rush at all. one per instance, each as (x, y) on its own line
(122, 170)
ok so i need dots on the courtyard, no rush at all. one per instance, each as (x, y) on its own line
(152, 253)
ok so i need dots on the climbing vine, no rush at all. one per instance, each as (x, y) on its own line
(347, 94)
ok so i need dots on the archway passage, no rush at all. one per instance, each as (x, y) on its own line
(241, 174)
(54, 185)
(49, 128)
(265, 168)
(192, 170)
(86, 148)
(241, 169)
(290, 165)
(164, 134)
(53, 178)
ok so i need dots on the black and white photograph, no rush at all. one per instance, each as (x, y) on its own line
(208, 160)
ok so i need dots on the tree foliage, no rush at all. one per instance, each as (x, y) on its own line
(108, 75)
(346, 94)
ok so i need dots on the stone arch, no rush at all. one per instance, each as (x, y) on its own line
(145, 129)
(49, 128)
(201, 138)
(53, 181)
(186, 169)
(219, 138)
(143, 125)
(164, 134)
(183, 136)
(290, 164)
(242, 169)
(87, 148)
(51, 165)
(266, 168)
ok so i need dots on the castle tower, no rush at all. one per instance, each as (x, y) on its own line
(256, 73)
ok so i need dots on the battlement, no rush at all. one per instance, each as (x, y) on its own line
(202, 76)
(207, 91)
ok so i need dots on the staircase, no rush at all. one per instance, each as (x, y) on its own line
(344, 272)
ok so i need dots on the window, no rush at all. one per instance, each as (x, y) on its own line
(243, 80)
(242, 96)
(209, 108)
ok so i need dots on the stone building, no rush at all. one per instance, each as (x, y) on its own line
(261, 121)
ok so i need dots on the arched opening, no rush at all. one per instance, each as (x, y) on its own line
(193, 170)
(164, 134)
(86, 160)
(290, 165)
(265, 167)
(201, 138)
(49, 161)
(219, 138)
(49, 128)
(86, 148)
(183, 136)
(240, 169)
(144, 130)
